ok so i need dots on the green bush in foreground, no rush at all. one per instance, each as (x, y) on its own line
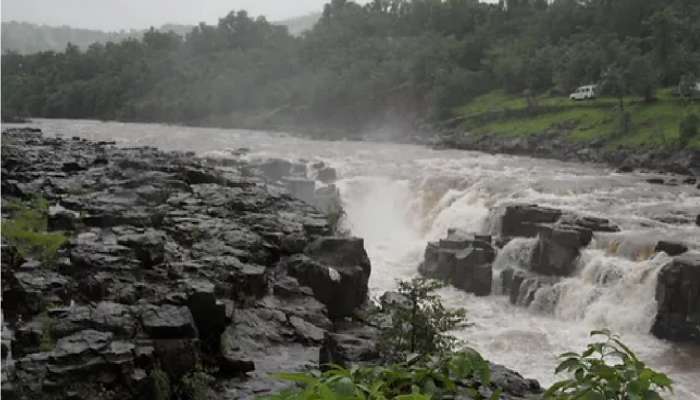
(607, 370)
(462, 373)
(419, 322)
(27, 231)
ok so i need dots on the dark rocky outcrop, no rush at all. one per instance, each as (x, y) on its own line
(172, 263)
(671, 248)
(337, 269)
(462, 260)
(678, 296)
(523, 219)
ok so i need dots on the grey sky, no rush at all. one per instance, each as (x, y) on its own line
(138, 14)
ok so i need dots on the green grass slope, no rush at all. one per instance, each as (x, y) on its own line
(653, 124)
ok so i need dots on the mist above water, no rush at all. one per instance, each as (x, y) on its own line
(399, 197)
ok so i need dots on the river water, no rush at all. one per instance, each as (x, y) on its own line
(399, 197)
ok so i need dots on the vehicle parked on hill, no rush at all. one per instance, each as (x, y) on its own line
(694, 91)
(584, 93)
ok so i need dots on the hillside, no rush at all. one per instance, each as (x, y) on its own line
(653, 124)
(28, 38)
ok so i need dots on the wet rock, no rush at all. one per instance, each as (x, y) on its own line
(177, 357)
(209, 314)
(301, 188)
(678, 297)
(289, 287)
(163, 247)
(148, 246)
(337, 270)
(275, 169)
(327, 199)
(27, 293)
(522, 220)
(351, 344)
(327, 175)
(62, 219)
(105, 316)
(308, 332)
(557, 249)
(461, 259)
(512, 383)
(670, 248)
(168, 321)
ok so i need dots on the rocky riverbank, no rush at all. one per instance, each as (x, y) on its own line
(178, 275)
(554, 146)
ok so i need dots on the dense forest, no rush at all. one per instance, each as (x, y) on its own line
(364, 65)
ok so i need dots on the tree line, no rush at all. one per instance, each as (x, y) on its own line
(363, 64)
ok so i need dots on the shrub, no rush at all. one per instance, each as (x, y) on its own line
(459, 375)
(194, 386)
(26, 231)
(607, 370)
(159, 385)
(688, 129)
(420, 323)
(47, 341)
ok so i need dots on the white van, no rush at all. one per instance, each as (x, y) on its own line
(584, 93)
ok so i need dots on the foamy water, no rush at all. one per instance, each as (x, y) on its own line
(398, 197)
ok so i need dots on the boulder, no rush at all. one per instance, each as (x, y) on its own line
(558, 248)
(461, 259)
(670, 248)
(351, 344)
(209, 315)
(473, 272)
(327, 175)
(678, 297)
(275, 169)
(327, 199)
(168, 322)
(337, 270)
(177, 357)
(523, 219)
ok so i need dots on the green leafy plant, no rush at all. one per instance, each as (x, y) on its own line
(607, 370)
(418, 324)
(194, 386)
(462, 373)
(688, 128)
(27, 230)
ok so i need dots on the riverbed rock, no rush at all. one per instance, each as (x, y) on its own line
(461, 259)
(327, 175)
(558, 248)
(172, 262)
(671, 248)
(523, 219)
(678, 297)
(350, 344)
(337, 269)
(168, 321)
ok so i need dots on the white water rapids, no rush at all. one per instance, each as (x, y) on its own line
(399, 197)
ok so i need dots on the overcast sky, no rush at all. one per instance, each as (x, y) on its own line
(139, 14)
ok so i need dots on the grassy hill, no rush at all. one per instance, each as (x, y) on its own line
(653, 124)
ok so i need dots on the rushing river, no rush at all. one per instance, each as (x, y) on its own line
(398, 197)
